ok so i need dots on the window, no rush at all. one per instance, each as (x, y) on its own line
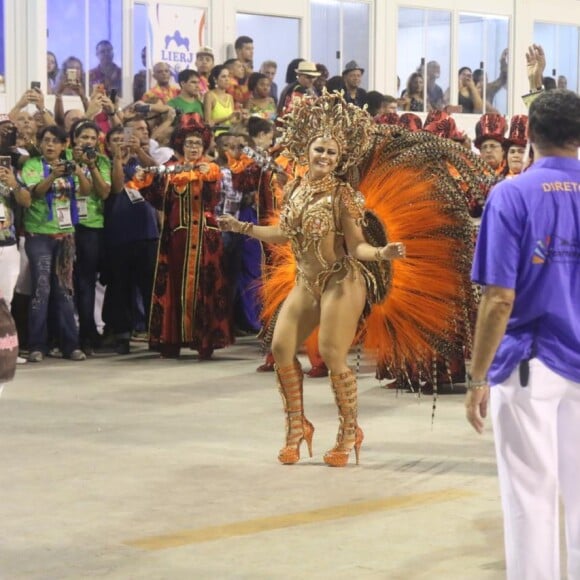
(141, 46)
(423, 57)
(340, 34)
(483, 42)
(560, 43)
(275, 38)
(85, 41)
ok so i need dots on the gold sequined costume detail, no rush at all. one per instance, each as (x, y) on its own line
(311, 218)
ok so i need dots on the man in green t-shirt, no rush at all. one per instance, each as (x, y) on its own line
(189, 99)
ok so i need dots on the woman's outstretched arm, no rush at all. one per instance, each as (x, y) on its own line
(268, 234)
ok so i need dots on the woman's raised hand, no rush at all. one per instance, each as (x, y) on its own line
(393, 251)
(535, 64)
(227, 223)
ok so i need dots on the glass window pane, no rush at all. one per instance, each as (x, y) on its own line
(325, 35)
(105, 44)
(483, 42)
(423, 42)
(267, 32)
(355, 44)
(66, 41)
(141, 43)
(560, 43)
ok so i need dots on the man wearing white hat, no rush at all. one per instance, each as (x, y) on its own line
(306, 72)
(352, 77)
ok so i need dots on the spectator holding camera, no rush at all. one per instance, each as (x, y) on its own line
(54, 182)
(89, 239)
(71, 79)
(27, 123)
(147, 128)
(131, 235)
(12, 193)
(102, 109)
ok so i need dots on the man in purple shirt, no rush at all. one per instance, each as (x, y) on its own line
(527, 342)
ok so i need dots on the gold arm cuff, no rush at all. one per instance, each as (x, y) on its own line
(529, 98)
(246, 228)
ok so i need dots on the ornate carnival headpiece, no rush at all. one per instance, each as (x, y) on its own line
(518, 133)
(331, 117)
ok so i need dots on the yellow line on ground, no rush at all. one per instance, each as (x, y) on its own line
(258, 525)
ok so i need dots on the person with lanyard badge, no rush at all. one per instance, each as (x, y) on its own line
(89, 239)
(131, 237)
(49, 225)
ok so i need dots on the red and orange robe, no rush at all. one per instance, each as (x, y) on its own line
(189, 302)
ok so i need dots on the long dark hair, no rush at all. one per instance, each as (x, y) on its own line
(53, 74)
(214, 74)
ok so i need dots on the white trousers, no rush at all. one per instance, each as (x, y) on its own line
(537, 442)
(9, 269)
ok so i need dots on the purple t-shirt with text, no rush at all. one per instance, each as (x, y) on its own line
(529, 241)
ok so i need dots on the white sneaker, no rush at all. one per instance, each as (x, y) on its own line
(21, 361)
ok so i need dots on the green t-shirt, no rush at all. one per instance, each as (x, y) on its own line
(91, 207)
(186, 106)
(37, 218)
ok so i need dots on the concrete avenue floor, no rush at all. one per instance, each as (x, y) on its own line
(140, 468)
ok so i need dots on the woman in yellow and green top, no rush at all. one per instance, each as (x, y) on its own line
(84, 136)
(49, 225)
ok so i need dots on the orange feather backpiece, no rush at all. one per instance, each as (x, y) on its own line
(423, 314)
(419, 186)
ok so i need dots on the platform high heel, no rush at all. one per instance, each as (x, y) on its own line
(350, 435)
(298, 428)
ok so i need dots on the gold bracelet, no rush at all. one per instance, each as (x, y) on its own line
(246, 228)
(379, 255)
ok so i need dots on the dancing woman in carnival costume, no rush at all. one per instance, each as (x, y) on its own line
(333, 266)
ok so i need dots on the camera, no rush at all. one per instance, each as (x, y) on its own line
(142, 108)
(90, 152)
(69, 167)
(8, 136)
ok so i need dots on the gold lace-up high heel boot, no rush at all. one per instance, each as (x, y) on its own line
(298, 428)
(350, 435)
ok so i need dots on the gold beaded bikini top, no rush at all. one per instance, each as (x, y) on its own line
(312, 211)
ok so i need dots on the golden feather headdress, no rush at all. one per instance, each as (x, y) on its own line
(331, 117)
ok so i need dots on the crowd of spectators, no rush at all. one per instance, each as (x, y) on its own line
(76, 208)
